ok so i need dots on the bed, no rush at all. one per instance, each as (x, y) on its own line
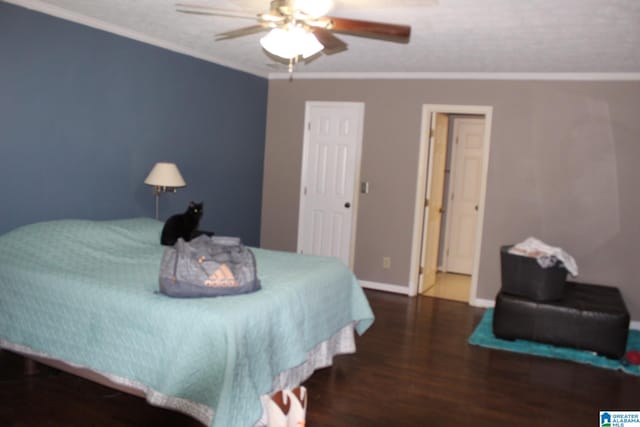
(85, 294)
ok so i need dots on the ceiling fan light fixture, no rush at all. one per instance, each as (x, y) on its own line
(291, 42)
(314, 8)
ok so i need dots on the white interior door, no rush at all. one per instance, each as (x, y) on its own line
(435, 195)
(464, 194)
(330, 170)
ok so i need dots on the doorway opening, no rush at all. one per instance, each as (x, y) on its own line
(450, 195)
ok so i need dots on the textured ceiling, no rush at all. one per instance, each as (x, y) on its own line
(448, 36)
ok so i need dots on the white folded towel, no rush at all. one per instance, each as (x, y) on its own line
(546, 255)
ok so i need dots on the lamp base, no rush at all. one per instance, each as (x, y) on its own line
(156, 192)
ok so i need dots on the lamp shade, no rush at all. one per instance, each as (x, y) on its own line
(165, 175)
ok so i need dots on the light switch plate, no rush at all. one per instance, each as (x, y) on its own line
(364, 187)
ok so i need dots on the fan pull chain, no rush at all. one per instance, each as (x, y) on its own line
(292, 63)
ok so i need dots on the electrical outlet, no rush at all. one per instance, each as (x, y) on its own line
(386, 262)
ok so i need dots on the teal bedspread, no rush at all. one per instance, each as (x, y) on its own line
(86, 292)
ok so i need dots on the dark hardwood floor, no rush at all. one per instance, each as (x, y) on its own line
(412, 368)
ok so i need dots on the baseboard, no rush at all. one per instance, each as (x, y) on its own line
(635, 324)
(396, 289)
(483, 303)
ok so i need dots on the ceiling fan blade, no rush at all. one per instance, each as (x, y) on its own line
(226, 15)
(331, 43)
(244, 31)
(214, 11)
(381, 30)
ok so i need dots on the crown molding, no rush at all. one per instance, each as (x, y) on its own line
(458, 76)
(88, 21)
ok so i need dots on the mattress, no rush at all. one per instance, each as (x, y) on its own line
(86, 292)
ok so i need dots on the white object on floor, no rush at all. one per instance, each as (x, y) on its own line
(298, 409)
(321, 356)
(286, 408)
(546, 255)
(278, 407)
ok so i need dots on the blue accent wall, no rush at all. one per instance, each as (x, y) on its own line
(85, 114)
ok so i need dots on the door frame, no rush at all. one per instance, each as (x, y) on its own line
(359, 108)
(420, 216)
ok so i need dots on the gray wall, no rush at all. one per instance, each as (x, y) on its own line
(563, 167)
(85, 114)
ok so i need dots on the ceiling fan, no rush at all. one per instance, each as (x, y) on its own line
(301, 28)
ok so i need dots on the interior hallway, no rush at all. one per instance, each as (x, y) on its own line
(451, 286)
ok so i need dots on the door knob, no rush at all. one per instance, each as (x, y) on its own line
(347, 205)
(476, 207)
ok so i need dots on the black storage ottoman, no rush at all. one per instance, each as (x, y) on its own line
(523, 276)
(588, 317)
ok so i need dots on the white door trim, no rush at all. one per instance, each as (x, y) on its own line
(427, 111)
(359, 108)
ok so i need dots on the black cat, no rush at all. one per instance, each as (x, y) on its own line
(183, 225)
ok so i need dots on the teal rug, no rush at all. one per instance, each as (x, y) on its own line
(483, 336)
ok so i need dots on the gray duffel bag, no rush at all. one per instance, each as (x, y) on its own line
(208, 267)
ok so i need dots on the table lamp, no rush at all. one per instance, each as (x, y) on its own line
(164, 177)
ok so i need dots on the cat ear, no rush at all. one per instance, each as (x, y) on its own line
(191, 204)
